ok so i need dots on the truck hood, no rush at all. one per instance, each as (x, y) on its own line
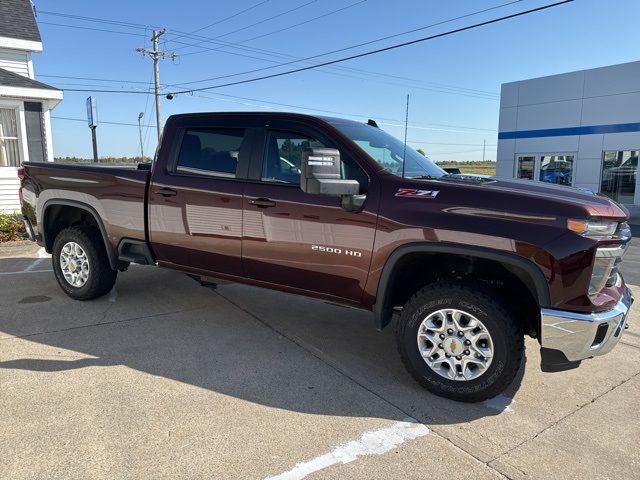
(596, 205)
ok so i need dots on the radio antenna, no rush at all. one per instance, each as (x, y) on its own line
(406, 126)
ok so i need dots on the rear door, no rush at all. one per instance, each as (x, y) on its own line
(299, 240)
(195, 196)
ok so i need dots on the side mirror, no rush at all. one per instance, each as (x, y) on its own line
(321, 171)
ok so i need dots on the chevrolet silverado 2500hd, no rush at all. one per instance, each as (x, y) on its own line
(335, 209)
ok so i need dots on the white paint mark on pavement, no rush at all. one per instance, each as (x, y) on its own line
(375, 442)
(42, 256)
(34, 264)
(501, 403)
(25, 271)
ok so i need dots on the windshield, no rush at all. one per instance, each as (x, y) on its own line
(388, 151)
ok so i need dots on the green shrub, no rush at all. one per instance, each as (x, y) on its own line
(10, 228)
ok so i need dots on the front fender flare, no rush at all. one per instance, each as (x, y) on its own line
(383, 310)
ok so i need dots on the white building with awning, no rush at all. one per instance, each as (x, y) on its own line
(25, 103)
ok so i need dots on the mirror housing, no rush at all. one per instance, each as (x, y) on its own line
(321, 171)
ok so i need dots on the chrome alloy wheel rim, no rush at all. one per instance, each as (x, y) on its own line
(74, 264)
(455, 344)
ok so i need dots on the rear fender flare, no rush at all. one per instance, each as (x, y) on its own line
(113, 261)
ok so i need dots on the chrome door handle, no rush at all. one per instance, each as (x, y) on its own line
(262, 202)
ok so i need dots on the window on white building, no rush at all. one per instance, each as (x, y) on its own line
(556, 169)
(9, 151)
(619, 173)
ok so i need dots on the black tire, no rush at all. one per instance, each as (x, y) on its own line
(101, 277)
(488, 308)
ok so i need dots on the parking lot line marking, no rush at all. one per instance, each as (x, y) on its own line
(375, 442)
(25, 271)
(501, 403)
(34, 264)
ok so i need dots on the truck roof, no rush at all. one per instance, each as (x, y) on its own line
(271, 115)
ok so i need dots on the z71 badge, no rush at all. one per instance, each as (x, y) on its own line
(412, 192)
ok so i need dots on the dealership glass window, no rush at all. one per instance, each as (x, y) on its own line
(9, 151)
(525, 166)
(619, 173)
(556, 169)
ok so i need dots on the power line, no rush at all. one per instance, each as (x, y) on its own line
(369, 42)
(351, 57)
(79, 27)
(384, 49)
(96, 79)
(298, 24)
(95, 19)
(101, 121)
(260, 22)
(431, 126)
(297, 60)
(451, 89)
(221, 21)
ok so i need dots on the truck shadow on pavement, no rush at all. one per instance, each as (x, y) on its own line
(260, 346)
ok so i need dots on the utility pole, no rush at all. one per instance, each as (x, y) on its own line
(484, 145)
(155, 55)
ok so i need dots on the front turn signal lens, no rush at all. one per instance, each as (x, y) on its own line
(577, 226)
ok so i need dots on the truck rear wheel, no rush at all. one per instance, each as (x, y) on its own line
(459, 341)
(81, 264)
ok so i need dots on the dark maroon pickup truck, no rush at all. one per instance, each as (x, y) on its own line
(465, 266)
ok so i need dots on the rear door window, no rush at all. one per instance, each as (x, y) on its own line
(210, 152)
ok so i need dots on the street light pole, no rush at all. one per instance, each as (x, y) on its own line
(140, 115)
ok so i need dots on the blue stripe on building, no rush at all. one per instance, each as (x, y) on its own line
(563, 132)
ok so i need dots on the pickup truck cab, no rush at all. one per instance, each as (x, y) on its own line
(465, 266)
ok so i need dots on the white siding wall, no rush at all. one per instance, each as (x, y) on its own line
(9, 183)
(15, 61)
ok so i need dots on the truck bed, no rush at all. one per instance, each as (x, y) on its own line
(116, 194)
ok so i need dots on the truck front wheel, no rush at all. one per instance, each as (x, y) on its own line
(460, 341)
(81, 264)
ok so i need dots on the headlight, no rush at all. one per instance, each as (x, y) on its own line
(593, 227)
(605, 267)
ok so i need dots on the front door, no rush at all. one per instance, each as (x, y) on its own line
(299, 240)
(195, 202)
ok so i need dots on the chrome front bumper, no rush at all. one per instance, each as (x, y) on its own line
(578, 336)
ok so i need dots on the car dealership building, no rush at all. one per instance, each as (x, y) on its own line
(580, 129)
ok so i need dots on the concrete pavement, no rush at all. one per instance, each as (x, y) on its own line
(166, 379)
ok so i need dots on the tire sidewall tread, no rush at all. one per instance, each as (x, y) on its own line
(101, 276)
(488, 307)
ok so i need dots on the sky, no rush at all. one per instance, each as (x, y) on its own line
(453, 82)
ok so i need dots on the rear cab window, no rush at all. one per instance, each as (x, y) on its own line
(210, 152)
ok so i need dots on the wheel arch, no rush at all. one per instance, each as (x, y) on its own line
(525, 270)
(48, 232)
